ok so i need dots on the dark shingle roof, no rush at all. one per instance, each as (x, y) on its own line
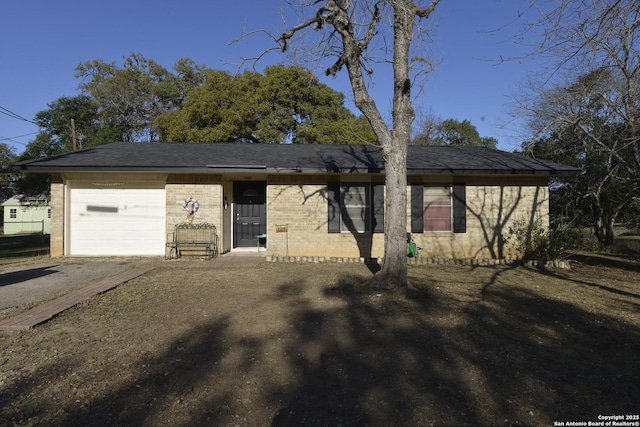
(274, 158)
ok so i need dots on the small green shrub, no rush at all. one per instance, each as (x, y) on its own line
(536, 242)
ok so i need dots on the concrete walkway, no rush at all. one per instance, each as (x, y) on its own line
(50, 309)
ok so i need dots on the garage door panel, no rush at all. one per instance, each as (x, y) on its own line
(118, 221)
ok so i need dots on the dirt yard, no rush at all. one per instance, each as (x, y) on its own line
(307, 344)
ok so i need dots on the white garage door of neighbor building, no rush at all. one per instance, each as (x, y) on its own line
(117, 220)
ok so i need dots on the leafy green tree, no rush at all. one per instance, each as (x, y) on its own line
(222, 109)
(452, 132)
(286, 104)
(56, 122)
(65, 116)
(7, 178)
(296, 107)
(131, 97)
(33, 184)
(189, 75)
(343, 128)
(455, 132)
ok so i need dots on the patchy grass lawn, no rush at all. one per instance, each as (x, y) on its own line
(307, 344)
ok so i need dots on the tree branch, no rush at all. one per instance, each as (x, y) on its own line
(427, 11)
(372, 29)
(286, 36)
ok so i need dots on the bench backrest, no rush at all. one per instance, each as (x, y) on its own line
(195, 233)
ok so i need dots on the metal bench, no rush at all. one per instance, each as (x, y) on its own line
(190, 239)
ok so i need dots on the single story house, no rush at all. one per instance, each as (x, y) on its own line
(293, 200)
(26, 214)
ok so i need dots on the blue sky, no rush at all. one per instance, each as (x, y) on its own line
(42, 42)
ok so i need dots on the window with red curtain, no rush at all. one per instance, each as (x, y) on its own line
(437, 208)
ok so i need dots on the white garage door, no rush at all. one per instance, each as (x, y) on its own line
(118, 220)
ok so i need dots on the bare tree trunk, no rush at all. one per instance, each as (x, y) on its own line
(608, 236)
(603, 229)
(394, 141)
(603, 223)
(394, 268)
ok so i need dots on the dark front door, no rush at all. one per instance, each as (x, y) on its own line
(251, 221)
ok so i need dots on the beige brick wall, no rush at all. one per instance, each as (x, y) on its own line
(303, 209)
(491, 210)
(493, 204)
(206, 189)
(299, 206)
(56, 244)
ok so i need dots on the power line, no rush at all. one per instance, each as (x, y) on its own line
(12, 138)
(13, 115)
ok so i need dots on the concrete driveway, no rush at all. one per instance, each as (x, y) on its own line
(36, 282)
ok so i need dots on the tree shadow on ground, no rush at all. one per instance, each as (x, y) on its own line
(162, 380)
(594, 259)
(512, 358)
(593, 284)
(491, 353)
(19, 276)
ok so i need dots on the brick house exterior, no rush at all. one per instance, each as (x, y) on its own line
(305, 200)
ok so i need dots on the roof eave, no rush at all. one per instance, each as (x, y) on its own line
(290, 170)
(205, 169)
(438, 171)
(120, 169)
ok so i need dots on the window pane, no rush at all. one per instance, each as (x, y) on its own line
(437, 225)
(441, 194)
(437, 208)
(13, 213)
(355, 209)
(355, 219)
(354, 195)
(435, 212)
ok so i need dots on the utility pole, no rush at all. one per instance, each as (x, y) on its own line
(73, 135)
